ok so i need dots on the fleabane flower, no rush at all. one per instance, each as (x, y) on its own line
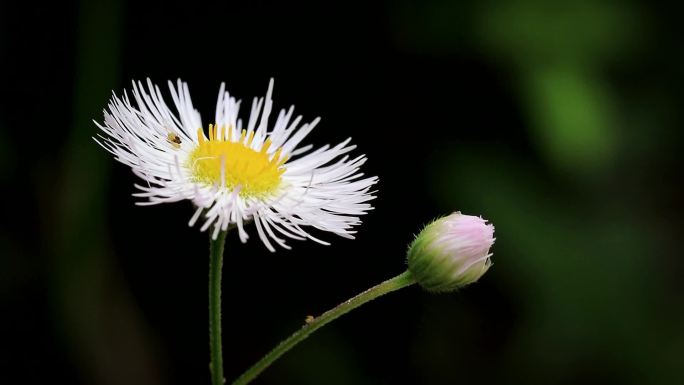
(451, 252)
(235, 173)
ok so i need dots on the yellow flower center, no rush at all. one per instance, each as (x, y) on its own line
(220, 160)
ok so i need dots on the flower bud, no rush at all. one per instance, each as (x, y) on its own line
(451, 252)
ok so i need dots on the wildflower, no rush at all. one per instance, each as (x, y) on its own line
(236, 173)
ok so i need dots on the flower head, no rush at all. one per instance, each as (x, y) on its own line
(236, 173)
(451, 252)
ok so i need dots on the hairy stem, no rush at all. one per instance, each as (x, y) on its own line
(215, 267)
(392, 284)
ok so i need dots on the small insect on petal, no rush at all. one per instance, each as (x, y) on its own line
(174, 139)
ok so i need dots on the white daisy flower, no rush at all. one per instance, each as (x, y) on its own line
(237, 173)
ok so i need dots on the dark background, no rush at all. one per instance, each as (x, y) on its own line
(562, 124)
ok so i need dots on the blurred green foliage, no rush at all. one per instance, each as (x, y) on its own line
(573, 120)
(97, 315)
(581, 33)
(560, 51)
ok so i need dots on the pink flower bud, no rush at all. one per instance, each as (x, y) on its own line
(451, 252)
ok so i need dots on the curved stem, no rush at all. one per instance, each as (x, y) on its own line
(402, 280)
(215, 266)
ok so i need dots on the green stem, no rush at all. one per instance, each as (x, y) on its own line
(400, 281)
(215, 266)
